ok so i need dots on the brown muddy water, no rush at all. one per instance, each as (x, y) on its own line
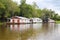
(38, 31)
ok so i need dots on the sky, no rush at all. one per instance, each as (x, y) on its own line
(49, 4)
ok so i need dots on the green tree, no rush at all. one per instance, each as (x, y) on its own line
(7, 8)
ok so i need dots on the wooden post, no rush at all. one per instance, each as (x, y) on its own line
(13, 21)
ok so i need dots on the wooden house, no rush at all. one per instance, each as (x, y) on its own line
(17, 19)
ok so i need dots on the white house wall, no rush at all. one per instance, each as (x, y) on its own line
(15, 20)
(20, 20)
(37, 20)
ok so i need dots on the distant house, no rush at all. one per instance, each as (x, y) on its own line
(50, 20)
(17, 19)
(36, 20)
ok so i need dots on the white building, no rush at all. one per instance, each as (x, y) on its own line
(36, 20)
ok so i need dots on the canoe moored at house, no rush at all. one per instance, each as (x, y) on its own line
(51, 21)
(17, 19)
(36, 20)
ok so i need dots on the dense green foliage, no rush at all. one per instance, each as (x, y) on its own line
(8, 8)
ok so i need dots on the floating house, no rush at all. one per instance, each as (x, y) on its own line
(17, 19)
(50, 20)
(36, 20)
(22, 20)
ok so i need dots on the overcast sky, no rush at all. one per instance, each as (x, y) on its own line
(50, 4)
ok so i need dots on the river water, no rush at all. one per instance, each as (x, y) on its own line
(38, 31)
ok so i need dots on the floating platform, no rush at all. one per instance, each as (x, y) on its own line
(9, 23)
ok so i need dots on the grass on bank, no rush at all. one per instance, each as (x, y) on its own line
(57, 21)
(1, 23)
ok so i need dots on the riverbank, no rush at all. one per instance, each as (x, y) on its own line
(1, 23)
(57, 21)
